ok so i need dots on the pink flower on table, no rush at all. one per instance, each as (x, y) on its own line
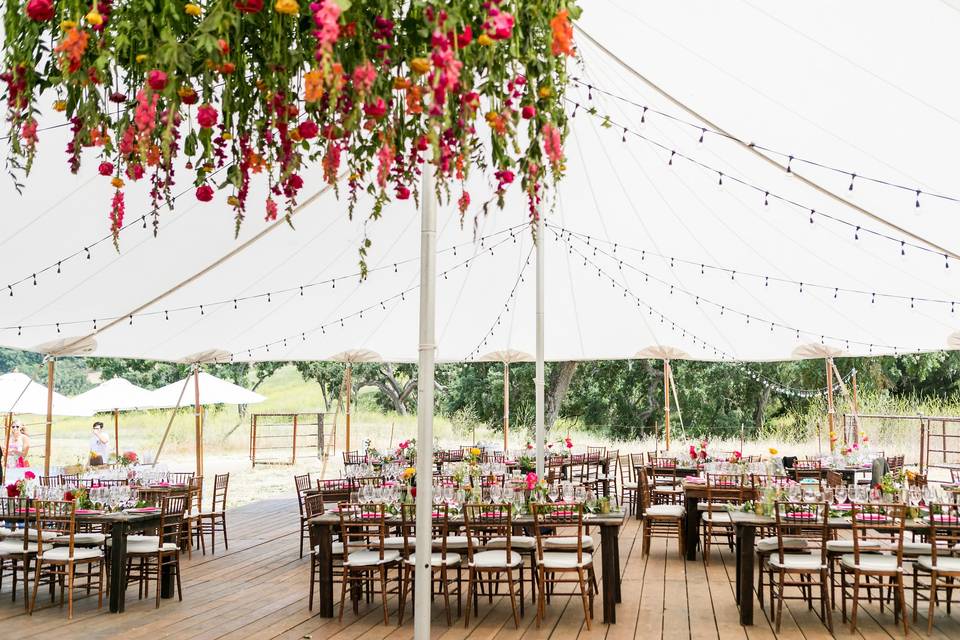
(29, 475)
(531, 480)
(364, 76)
(568, 442)
(404, 444)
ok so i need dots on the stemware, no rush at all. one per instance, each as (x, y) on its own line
(840, 493)
(553, 492)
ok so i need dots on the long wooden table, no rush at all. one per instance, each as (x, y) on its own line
(609, 525)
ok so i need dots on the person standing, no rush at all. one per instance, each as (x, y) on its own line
(19, 442)
(99, 445)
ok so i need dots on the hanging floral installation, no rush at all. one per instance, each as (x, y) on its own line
(233, 89)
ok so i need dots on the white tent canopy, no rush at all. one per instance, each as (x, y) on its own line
(640, 251)
(118, 394)
(213, 390)
(20, 394)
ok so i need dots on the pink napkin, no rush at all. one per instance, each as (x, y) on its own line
(943, 518)
(82, 512)
(370, 516)
(160, 484)
(144, 510)
(843, 507)
(799, 515)
(872, 517)
(563, 514)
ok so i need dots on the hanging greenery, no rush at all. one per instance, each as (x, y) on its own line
(373, 89)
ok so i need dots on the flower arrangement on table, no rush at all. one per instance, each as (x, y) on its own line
(407, 451)
(231, 90)
(127, 459)
(21, 487)
(698, 452)
(80, 496)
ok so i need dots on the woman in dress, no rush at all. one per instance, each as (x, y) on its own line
(19, 442)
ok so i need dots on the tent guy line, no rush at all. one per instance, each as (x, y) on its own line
(790, 158)
(807, 181)
(811, 212)
(267, 295)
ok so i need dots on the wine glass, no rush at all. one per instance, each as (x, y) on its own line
(496, 492)
(553, 492)
(840, 493)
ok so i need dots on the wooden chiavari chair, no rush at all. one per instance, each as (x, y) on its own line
(942, 565)
(441, 562)
(722, 490)
(600, 451)
(551, 561)
(354, 457)
(955, 476)
(884, 525)
(191, 521)
(665, 485)
(17, 551)
(660, 520)
(613, 471)
(57, 517)
(628, 484)
(895, 463)
(303, 483)
(768, 543)
(805, 521)
(51, 481)
(803, 469)
(481, 521)
(181, 478)
(215, 520)
(146, 559)
(362, 531)
(314, 505)
(71, 479)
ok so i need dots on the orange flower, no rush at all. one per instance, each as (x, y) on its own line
(420, 65)
(562, 34)
(72, 48)
(153, 155)
(414, 100)
(401, 83)
(313, 85)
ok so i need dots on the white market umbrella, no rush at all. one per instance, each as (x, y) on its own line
(506, 356)
(116, 395)
(349, 357)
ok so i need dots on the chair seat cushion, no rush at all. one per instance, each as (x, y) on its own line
(210, 514)
(846, 546)
(665, 511)
(437, 559)
(146, 548)
(629, 485)
(668, 489)
(456, 542)
(564, 560)
(918, 548)
(797, 562)
(82, 539)
(154, 540)
(14, 547)
(567, 542)
(371, 558)
(62, 554)
(871, 563)
(516, 542)
(944, 564)
(4, 532)
(396, 542)
(717, 517)
(765, 545)
(497, 558)
(32, 534)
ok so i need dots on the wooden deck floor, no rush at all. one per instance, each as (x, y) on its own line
(259, 590)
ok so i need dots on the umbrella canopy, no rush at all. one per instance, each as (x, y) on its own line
(507, 356)
(20, 394)
(213, 390)
(663, 352)
(118, 394)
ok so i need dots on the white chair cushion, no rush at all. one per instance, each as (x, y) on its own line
(396, 542)
(456, 542)
(629, 485)
(32, 534)
(717, 517)
(871, 562)
(493, 559)
(147, 548)
(336, 548)
(668, 489)
(371, 558)
(516, 542)
(61, 554)
(82, 539)
(560, 560)
(846, 546)
(137, 538)
(567, 542)
(765, 545)
(917, 548)
(666, 510)
(14, 547)
(437, 559)
(946, 565)
(4, 532)
(797, 562)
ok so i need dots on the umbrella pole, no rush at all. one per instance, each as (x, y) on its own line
(666, 403)
(506, 407)
(832, 433)
(197, 418)
(7, 423)
(856, 409)
(116, 433)
(47, 438)
(349, 388)
(423, 582)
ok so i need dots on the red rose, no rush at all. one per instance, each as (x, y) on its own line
(206, 116)
(157, 80)
(248, 6)
(68, 496)
(375, 110)
(295, 181)
(308, 129)
(528, 111)
(106, 168)
(41, 10)
(135, 171)
(204, 193)
(403, 193)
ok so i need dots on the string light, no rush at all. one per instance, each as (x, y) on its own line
(791, 158)
(506, 308)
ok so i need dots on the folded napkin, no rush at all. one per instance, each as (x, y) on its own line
(695, 480)
(83, 512)
(160, 484)
(872, 517)
(143, 510)
(843, 507)
(799, 515)
(944, 518)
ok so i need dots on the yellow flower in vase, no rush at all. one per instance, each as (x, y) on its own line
(475, 451)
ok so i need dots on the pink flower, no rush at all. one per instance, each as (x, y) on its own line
(41, 10)
(404, 444)
(204, 193)
(499, 24)
(157, 80)
(248, 6)
(553, 144)
(569, 442)
(375, 110)
(13, 490)
(29, 475)
(528, 111)
(29, 131)
(22, 463)
(531, 480)
(271, 210)
(206, 116)
(145, 116)
(106, 168)
(364, 76)
(135, 171)
(385, 161)
(403, 193)
(325, 16)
